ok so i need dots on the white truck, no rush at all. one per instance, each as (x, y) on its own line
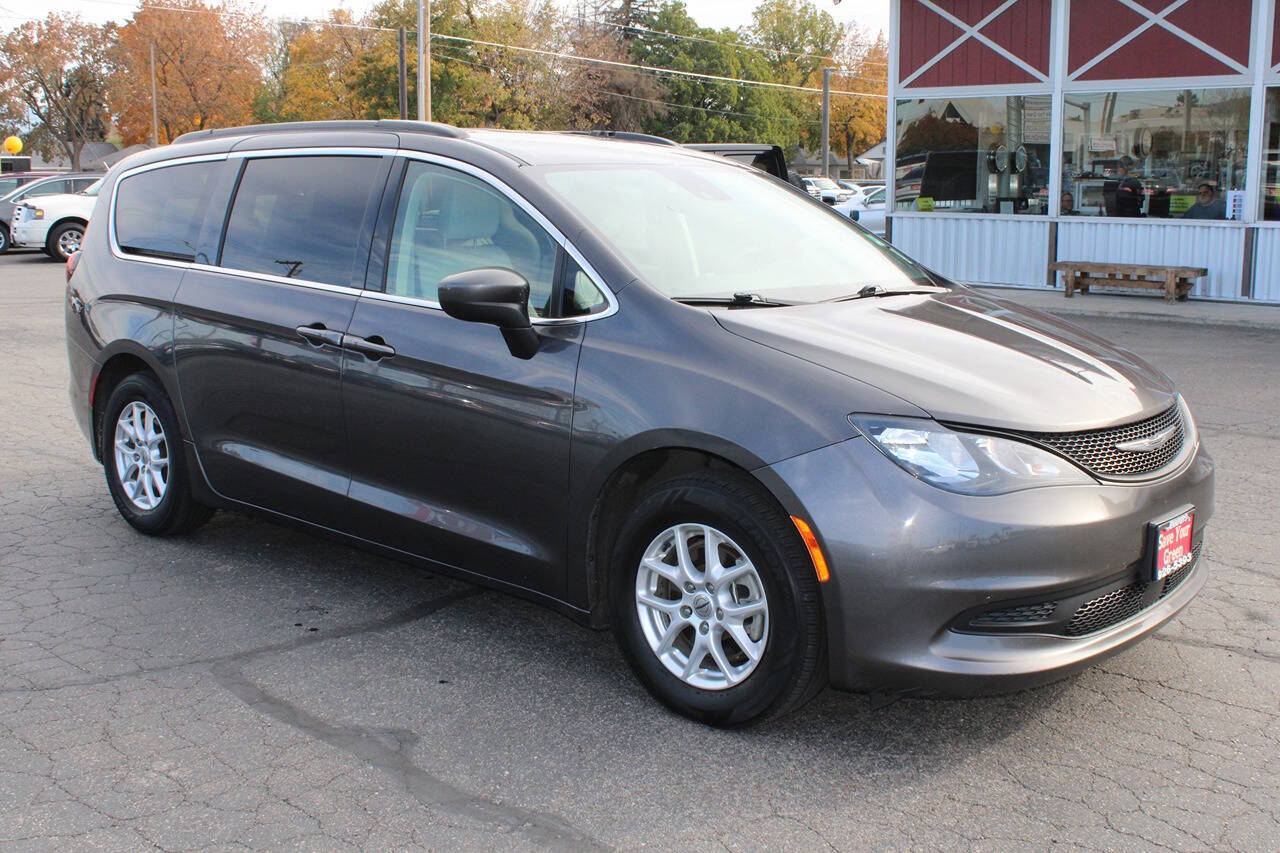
(54, 223)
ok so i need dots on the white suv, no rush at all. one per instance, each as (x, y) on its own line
(55, 223)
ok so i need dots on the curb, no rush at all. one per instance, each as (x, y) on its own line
(1268, 321)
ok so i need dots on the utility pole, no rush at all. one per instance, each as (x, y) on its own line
(424, 60)
(155, 109)
(404, 80)
(826, 122)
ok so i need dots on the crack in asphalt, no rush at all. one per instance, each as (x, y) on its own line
(388, 750)
(384, 749)
(404, 617)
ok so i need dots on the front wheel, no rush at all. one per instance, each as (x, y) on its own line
(64, 241)
(144, 460)
(715, 602)
(4, 239)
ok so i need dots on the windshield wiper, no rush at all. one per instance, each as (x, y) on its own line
(880, 290)
(738, 300)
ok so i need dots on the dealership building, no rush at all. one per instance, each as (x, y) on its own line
(1023, 132)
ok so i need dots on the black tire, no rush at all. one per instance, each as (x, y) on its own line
(51, 243)
(793, 666)
(4, 239)
(178, 511)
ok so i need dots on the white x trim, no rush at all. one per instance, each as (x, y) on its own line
(971, 32)
(1157, 19)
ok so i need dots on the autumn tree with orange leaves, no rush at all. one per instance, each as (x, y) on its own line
(209, 63)
(53, 81)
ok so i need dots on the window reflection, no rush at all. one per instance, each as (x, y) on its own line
(1175, 154)
(975, 155)
(1270, 206)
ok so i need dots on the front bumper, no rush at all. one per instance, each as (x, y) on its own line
(29, 235)
(911, 565)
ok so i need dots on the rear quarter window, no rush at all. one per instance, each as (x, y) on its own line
(159, 212)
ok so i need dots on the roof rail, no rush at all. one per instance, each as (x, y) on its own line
(625, 136)
(403, 126)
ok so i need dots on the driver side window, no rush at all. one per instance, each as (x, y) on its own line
(449, 222)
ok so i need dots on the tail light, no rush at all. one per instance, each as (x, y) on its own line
(71, 264)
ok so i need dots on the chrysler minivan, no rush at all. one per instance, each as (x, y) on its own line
(656, 390)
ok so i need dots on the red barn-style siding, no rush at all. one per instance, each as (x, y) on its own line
(1275, 39)
(1012, 46)
(1197, 38)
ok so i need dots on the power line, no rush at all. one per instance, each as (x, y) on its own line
(792, 119)
(654, 69)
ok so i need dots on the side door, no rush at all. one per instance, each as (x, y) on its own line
(460, 451)
(258, 329)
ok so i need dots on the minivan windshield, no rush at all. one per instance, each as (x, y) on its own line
(705, 231)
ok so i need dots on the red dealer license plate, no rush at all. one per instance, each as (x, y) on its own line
(1171, 543)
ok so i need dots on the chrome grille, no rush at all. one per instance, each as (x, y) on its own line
(1096, 451)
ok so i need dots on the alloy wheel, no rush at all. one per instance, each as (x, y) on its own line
(702, 606)
(141, 455)
(69, 242)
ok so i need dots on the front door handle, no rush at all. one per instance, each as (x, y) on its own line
(372, 347)
(317, 335)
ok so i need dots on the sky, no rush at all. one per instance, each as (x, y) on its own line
(872, 15)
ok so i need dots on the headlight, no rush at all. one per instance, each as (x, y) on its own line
(964, 462)
(37, 213)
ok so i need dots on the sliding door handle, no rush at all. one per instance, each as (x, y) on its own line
(372, 347)
(317, 335)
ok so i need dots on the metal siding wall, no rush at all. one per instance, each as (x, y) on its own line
(1266, 265)
(977, 250)
(1022, 29)
(1220, 249)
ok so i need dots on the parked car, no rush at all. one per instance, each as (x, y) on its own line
(767, 158)
(871, 213)
(53, 185)
(858, 191)
(10, 181)
(765, 469)
(54, 223)
(827, 190)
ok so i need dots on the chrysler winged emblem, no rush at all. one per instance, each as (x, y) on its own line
(1148, 444)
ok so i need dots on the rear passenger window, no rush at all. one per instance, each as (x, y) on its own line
(159, 212)
(301, 217)
(449, 222)
(47, 188)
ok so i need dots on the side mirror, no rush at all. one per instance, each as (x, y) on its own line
(496, 296)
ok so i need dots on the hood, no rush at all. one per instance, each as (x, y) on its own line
(967, 358)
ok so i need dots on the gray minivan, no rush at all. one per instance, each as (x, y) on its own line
(597, 373)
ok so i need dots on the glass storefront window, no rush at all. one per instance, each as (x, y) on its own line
(1175, 154)
(974, 155)
(1269, 207)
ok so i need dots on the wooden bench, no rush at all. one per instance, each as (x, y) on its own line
(1176, 282)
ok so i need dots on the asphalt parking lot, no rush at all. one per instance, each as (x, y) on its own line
(252, 686)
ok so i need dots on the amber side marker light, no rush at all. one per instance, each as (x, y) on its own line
(815, 553)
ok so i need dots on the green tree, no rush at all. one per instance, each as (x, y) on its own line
(708, 110)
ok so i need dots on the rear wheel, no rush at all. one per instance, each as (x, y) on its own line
(64, 240)
(144, 460)
(715, 602)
